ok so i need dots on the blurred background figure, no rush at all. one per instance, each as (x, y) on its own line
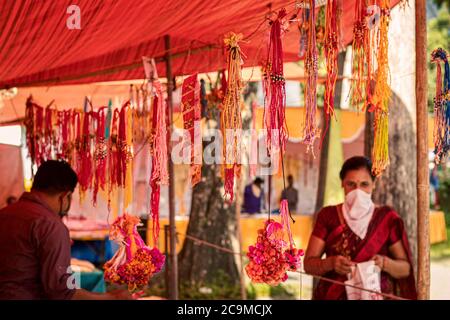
(290, 194)
(253, 197)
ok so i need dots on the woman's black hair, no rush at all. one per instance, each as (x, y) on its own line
(54, 176)
(355, 163)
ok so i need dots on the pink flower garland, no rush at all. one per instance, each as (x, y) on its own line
(134, 264)
(271, 257)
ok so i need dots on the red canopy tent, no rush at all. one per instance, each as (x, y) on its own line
(37, 48)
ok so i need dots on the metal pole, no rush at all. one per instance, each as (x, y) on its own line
(173, 287)
(166, 252)
(423, 229)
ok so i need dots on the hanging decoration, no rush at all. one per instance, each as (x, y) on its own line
(271, 257)
(134, 264)
(34, 130)
(382, 94)
(275, 90)
(100, 154)
(303, 25)
(311, 69)
(158, 147)
(360, 33)
(441, 132)
(191, 109)
(331, 55)
(231, 121)
(84, 167)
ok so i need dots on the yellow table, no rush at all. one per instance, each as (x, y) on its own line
(301, 230)
(438, 230)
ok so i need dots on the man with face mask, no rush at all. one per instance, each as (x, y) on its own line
(35, 243)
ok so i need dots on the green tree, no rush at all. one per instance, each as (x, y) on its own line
(438, 30)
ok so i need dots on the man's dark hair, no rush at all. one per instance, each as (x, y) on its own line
(355, 163)
(258, 181)
(55, 176)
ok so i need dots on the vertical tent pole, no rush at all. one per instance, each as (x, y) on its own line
(173, 286)
(423, 236)
(239, 237)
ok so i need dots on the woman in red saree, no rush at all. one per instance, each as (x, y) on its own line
(357, 231)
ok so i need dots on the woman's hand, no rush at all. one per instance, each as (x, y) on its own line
(379, 261)
(341, 265)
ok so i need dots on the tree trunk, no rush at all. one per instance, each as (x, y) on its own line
(397, 185)
(212, 220)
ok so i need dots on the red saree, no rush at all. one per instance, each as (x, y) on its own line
(385, 229)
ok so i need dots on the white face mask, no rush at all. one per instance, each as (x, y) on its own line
(358, 209)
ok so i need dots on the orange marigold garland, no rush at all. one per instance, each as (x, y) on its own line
(134, 264)
(382, 94)
(231, 121)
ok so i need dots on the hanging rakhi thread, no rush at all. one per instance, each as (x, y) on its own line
(360, 33)
(34, 121)
(441, 132)
(331, 56)
(231, 120)
(311, 67)
(85, 169)
(159, 152)
(382, 94)
(113, 158)
(190, 105)
(275, 90)
(100, 154)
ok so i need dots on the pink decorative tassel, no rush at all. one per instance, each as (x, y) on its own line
(159, 152)
(275, 91)
(285, 221)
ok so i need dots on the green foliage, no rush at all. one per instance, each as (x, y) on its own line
(438, 36)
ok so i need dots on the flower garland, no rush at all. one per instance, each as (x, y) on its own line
(134, 264)
(275, 90)
(441, 132)
(231, 120)
(311, 68)
(271, 257)
(382, 94)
